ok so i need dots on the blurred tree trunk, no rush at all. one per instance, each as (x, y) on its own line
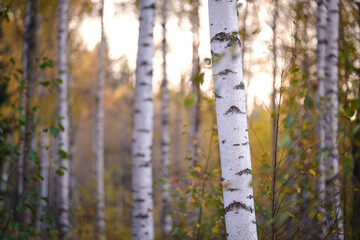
(142, 185)
(100, 196)
(44, 149)
(320, 104)
(166, 221)
(232, 121)
(195, 83)
(331, 120)
(274, 119)
(64, 180)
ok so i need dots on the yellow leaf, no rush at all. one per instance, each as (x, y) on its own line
(193, 201)
(312, 172)
(298, 189)
(189, 233)
(215, 230)
(333, 231)
(319, 216)
(197, 169)
(198, 225)
(191, 207)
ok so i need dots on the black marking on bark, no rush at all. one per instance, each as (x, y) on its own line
(323, 41)
(232, 189)
(144, 63)
(236, 144)
(246, 171)
(217, 95)
(241, 86)
(240, 157)
(149, 73)
(215, 55)
(250, 196)
(148, 99)
(146, 44)
(142, 216)
(139, 200)
(139, 155)
(146, 233)
(331, 56)
(234, 109)
(235, 206)
(244, 144)
(223, 141)
(222, 179)
(150, 34)
(144, 130)
(152, 6)
(143, 84)
(231, 38)
(225, 72)
(146, 164)
(252, 221)
(137, 111)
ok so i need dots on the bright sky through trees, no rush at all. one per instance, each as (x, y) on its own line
(122, 34)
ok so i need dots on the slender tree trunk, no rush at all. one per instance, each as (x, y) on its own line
(166, 221)
(24, 65)
(195, 83)
(274, 120)
(53, 184)
(63, 199)
(142, 187)
(100, 196)
(319, 102)
(331, 117)
(44, 151)
(232, 121)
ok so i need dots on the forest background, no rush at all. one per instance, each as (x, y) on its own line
(273, 33)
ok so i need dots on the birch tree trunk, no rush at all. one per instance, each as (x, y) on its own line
(331, 117)
(100, 198)
(64, 203)
(44, 150)
(232, 122)
(166, 221)
(195, 83)
(24, 63)
(319, 100)
(142, 214)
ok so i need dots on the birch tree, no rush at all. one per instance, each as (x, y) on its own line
(63, 147)
(319, 100)
(166, 221)
(232, 123)
(331, 117)
(100, 198)
(142, 189)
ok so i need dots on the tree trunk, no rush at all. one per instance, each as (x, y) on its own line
(142, 187)
(195, 83)
(331, 118)
(100, 197)
(166, 221)
(64, 203)
(232, 121)
(319, 101)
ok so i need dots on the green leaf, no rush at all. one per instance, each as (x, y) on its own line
(47, 221)
(54, 131)
(308, 103)
(59, 172)
(61, 127)
(289, 121)
(62, 154)
(295, 69)
(45, 83)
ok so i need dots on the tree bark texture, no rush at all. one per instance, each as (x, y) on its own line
(100, 196)
(166, 221)
(331, 117)
(64, 197)
(142, 186)
(232, 121)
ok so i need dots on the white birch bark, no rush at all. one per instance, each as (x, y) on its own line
(142, 188)
(166, 221)
(331, 115)
(232, 123)
(319, 98)
(64, 203)
(24, 63)
(100, 196)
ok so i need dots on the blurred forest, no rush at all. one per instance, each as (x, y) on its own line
(279, 41)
